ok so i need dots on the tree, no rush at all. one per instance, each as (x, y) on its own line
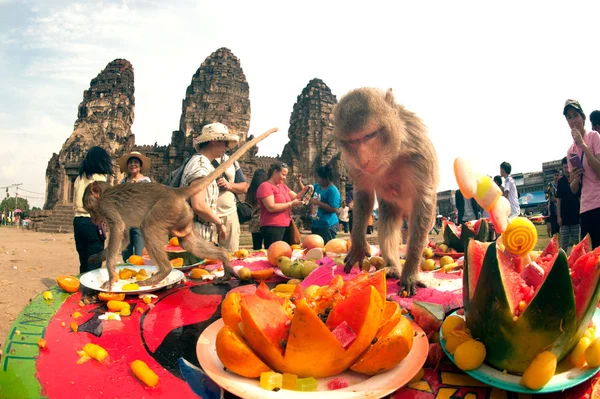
(9, 205)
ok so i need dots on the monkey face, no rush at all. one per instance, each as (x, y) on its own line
(364, 148)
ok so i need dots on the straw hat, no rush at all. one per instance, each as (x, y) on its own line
(134, 154)
(216, 132)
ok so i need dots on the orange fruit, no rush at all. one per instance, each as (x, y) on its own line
(236, 355)
(68, 283)
(177, 262)
(174, 241)
(211, 261)
(136, 260)
(197, 273)
(262, 274)
(110, 296)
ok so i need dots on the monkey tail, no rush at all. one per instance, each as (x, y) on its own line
(190, 191)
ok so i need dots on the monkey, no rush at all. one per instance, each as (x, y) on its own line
(157, 210)
(388, 154)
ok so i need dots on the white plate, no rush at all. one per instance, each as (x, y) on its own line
(362, 386)
(94, 279)
(510, 382)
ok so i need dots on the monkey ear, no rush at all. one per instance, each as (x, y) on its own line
(96, 189)
(389, 97)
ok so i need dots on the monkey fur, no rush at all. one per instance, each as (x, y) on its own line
(388, 154)
(157, 210)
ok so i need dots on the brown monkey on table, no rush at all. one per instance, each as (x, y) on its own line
(157, 210)
(388, 153)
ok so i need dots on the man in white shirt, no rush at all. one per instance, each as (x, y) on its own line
(510, 190)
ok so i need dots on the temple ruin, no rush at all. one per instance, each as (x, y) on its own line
(218, 92)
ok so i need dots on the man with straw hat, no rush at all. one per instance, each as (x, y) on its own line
(134, 165)
(210, 145)
(231, 183)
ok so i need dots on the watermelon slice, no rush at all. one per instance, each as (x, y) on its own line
(580, 249)
(458, 237)
(175, 251)
(429, 316)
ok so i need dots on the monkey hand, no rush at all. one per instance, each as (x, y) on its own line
(409, 283)
(108, 284)
(355, 256)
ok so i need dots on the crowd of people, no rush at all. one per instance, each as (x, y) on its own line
(573, 196)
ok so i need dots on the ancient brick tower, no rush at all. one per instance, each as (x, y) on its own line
(104, 118)
(218, 92)
(311, 135)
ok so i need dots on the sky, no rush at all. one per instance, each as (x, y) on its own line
(489, 79)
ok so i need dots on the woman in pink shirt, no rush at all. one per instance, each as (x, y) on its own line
(584, 165)
(276, 203)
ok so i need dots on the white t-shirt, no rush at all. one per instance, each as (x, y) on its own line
(197, 167)
(513, 197)
(226, 202)
(343, 214)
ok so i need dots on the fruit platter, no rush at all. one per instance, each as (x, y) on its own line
(338, 339)
(129, 277)
(528, 315)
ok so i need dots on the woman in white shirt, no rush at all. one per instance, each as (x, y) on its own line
(89, 239)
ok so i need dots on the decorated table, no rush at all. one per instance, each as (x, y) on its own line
(164, 332)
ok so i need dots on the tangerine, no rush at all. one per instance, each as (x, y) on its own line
(136, 260)
(68, 283)
(174, 241)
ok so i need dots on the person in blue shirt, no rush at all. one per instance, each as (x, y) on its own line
(325, 203)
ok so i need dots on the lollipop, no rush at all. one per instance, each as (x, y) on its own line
(520, 236)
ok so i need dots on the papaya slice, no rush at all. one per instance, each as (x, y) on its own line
(68, 283)
(263, 274)
(265, 328)
(237, 356)
(389, 318)
(231, 311)
(390, 349)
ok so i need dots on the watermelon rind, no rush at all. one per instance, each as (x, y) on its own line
(548, 323)
(178, 252)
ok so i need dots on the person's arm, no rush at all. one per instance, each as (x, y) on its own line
(271, 206)
(558, 216)
(575, 180)
(591, 152)
(201, 207)
(335, 203)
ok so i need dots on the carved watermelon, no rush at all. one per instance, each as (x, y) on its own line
(175, 251)
(458, 237)
(516, 320)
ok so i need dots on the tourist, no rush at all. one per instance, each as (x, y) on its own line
(595, 120)
(276, 203)
(259, 177)
(584, 168)
(343, 216)
(134, 165)
(567, 206)
(210, 145)
(467, 209)
(510, 190)
(89, 237)
(231, 183)
(552, 220)
(325, 204)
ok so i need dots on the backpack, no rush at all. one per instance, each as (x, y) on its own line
(174, 179)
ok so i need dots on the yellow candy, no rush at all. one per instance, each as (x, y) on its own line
(130, 287)
(95, 351)
(144, 373)
(520, 236)
(487, 193)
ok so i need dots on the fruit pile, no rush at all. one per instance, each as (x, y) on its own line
(446, 264)
(315, 333)
(530, 309)
(456, 238)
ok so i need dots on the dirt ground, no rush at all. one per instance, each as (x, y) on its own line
(30, 263)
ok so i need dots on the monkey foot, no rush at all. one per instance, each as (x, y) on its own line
(229, 273)
(392, 272)
(157, 278)
(409, 288)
